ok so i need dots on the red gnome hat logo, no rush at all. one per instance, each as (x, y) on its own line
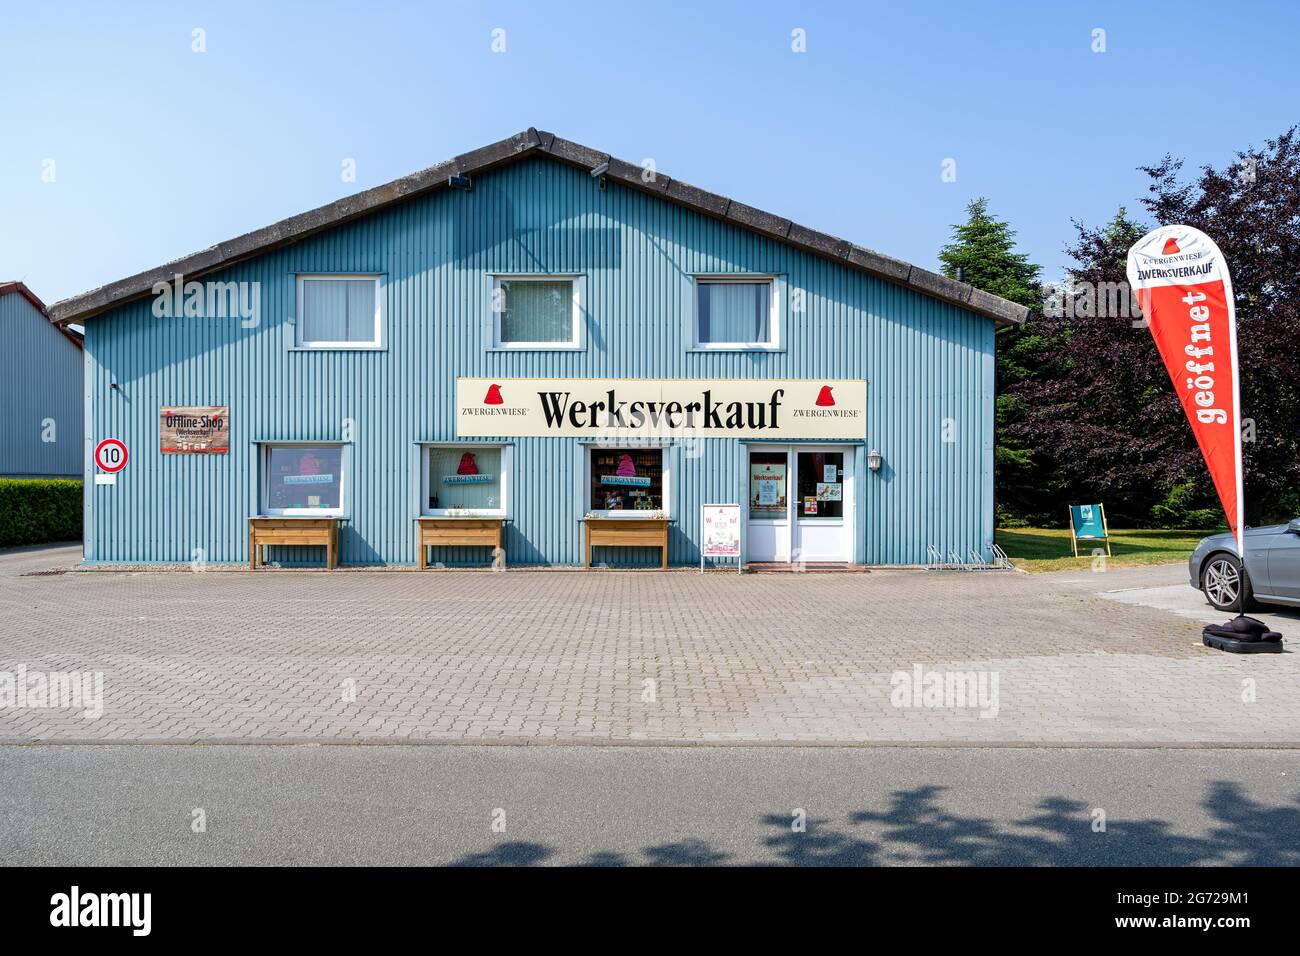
(493, 396)
(1171, 246)
(824, 397)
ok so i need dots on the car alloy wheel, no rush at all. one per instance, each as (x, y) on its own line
(1222, 583)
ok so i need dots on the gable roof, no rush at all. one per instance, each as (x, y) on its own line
(528, 143)
(19, 288)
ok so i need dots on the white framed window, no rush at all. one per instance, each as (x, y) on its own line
(538, 311)
(737, 313)
(467, 480)
(627, 482)
(301, 478)
(339, 312)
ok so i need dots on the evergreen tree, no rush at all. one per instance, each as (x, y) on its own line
(983, 249)
(1101, 409)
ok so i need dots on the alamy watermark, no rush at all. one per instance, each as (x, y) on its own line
(209, 300)
(75, 908)
(1078, 299)
(53, 690)
(946, 690)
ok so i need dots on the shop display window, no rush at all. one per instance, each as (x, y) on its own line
(302, 479)
(464, 478)
(627, 480)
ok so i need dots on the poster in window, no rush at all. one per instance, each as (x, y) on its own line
(766, 487)
(829, 491)
(467, 472)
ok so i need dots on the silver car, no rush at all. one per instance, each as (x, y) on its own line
(1272, 568)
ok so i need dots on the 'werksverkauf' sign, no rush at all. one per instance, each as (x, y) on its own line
(661, 408)
(194, 430)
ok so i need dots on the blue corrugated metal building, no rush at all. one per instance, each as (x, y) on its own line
(464, 343)
(40, 390)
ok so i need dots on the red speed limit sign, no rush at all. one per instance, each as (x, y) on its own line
(110, 455)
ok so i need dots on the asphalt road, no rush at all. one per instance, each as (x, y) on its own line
(90, 805)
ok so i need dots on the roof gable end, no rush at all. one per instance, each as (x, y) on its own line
(20, 288)
(537, 142)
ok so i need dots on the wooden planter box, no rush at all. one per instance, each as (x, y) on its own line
(457, 532)
(625, 533)
(320, 532)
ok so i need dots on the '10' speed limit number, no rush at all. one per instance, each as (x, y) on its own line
(110, 455)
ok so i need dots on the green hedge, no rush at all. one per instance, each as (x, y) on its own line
(35, 510)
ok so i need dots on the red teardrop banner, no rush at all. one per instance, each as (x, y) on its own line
(1183, 287)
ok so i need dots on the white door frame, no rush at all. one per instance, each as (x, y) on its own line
(786, 538)
(774, 530)
(845, 524)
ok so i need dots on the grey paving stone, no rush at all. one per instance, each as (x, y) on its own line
(563, 656)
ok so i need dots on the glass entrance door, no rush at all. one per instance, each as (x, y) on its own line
(768, 528)
(823, 504)
(800, 504)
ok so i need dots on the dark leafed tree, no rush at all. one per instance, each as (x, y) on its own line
(1252, 210)
(983, 252)
(1102, 411)
(1104, 408)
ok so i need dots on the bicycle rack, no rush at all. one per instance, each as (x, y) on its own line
(1000, 560)
(974, 561)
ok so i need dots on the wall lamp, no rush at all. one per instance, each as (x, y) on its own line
(460, 182)
(874, 460)
(599, 173)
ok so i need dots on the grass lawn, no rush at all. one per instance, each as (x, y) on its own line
(1048, 549)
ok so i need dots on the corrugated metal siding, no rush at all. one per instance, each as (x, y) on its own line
(925, 362)
(40, 381)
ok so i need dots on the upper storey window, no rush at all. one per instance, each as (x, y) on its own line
(339, 311)
(736, 313)
(537, 312)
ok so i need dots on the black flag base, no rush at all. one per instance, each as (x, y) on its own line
(1242, 635)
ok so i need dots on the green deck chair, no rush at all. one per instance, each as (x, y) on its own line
(1088, 524)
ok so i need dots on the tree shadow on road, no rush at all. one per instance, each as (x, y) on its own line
(512, 853)
(915, 828)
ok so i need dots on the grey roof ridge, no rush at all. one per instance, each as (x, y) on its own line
(96, 301)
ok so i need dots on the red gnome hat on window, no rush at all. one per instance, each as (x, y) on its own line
(625, 467)
(467, 464)
(824, 397)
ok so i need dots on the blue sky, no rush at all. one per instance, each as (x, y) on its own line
(159, 151)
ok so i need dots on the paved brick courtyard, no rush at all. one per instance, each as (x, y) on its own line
(567, 657)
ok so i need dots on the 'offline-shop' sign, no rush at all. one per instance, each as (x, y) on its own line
(661, 408)
(194, 430)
